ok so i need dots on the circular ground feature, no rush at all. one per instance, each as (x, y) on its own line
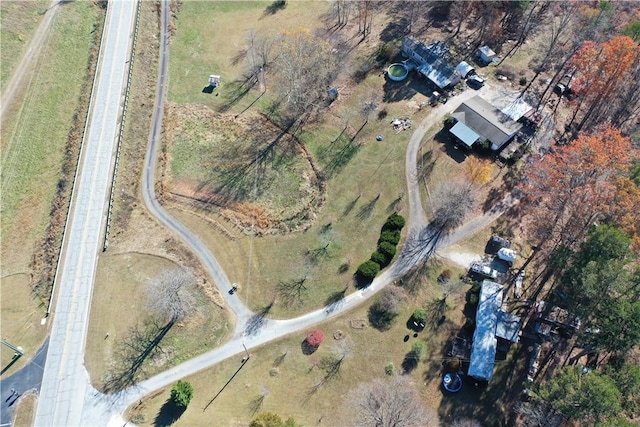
(397, 72)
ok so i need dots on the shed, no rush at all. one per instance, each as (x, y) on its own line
(464, 69)
(483, 349)
(464, 134)
(486, 54)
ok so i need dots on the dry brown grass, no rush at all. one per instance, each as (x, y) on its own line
(20, 314)
(119, 304)
(26, 410)
(20, 19)
(288, 378)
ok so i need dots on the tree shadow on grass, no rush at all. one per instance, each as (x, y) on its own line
(275, 7)
(307, 349)
(335, 300)
(350, 206)
(409, 363)
(134, 350)
(168, 414)
(366, 210)
(258, 320)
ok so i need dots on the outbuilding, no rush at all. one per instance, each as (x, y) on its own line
(486, 54)
(464, 69)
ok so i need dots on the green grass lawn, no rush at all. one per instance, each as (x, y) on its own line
(114, 312)
(280, 378)
(34, 139)
(20, 20)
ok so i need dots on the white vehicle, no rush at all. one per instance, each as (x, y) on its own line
(506, 254)
(484, 270)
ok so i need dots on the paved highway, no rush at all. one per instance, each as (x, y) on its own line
(67, 398)
(65, 381)
(252, 330)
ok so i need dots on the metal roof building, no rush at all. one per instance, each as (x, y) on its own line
(491, 323)
(483, 350)
(487, 121)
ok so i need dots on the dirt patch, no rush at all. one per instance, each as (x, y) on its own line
(253, 173)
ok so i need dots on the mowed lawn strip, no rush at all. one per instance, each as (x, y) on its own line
(33, 145)
(20, 19)
(120, 304)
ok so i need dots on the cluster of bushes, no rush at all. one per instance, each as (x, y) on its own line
(387, 243)
(473, 296)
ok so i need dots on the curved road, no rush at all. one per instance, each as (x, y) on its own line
(66, 382)
(251, 329)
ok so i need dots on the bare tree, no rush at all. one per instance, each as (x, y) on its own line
(170, 296)
(391, 403)
(452, 201)
(305, 66)
(340, 11)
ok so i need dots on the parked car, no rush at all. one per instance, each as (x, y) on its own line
(475, 81)
(501, 242)
(506, 254)
(484, 270)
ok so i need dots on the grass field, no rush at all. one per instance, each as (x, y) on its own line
(280, 378)
(20, 313)
(20, 20)
(26, 411)
(34, 139)
(111, 323)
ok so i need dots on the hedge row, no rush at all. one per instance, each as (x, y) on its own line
(386, 250)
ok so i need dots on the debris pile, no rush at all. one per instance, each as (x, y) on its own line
(401, 124)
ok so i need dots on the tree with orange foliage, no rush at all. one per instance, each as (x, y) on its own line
(602, 73)
(625, 208)
(478, 171)
(570, 188)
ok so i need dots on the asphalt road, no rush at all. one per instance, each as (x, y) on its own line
(27, 378)
(251, 329)
(65, 381)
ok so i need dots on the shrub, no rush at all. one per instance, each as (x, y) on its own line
(368, 270)
(418, 349)
(387, 307)
(391, 236)
(388, 369)
(473, 299)
(419, 315)
(470, 325)
(394, 222)
(450, 122)
(387, 249)
(315, 338)
(181, 393)
(267, 419)
(445, 276)
(379, 259)
(483, 147)
(523, 81)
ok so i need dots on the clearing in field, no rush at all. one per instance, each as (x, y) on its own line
(256, 174)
